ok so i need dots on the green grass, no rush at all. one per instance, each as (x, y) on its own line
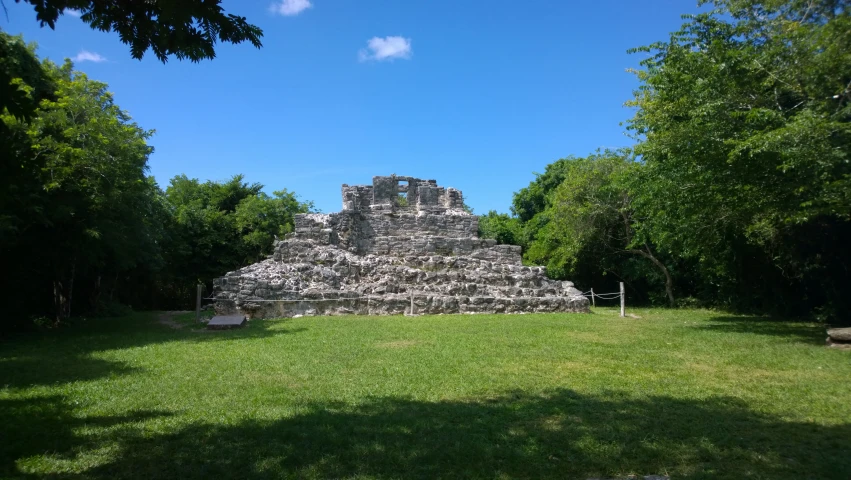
(688, 393)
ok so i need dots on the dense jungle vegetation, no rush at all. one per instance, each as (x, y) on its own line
(737, 193)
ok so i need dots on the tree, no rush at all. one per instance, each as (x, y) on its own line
(216, 227)
(186, 29)
(203, 239)
(78, 190)
(590, 222)
(532, 200)
(503, 228)
(743, 121)
(82, 225)
(593, 210)
(261, 219)
(23, 81)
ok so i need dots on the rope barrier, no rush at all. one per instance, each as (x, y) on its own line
(603, 295)
(588, 294)
(412, 295)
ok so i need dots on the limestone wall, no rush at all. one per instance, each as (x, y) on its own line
(357, 198)
(376, 253)
(399, 304)
(458, 226)
(366, 232)
(386, 193)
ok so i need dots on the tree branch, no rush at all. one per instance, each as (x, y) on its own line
(648, 254)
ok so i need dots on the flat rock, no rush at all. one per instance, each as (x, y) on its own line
(842, 345)
(224, 322)
(840, 334)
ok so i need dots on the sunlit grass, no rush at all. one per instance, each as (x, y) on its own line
(687, 393)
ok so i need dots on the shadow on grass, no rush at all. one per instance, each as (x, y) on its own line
(63, 356)
(795, 331)
(254, 329)
(561, 434)
(45, 425)
(43, 369)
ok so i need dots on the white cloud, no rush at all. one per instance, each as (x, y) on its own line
(290, 7)
(87, 56)
(387, 48)
(73, 12)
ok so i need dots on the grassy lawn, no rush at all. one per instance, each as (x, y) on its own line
(687, 393)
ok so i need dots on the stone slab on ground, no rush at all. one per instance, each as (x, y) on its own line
(224, 322)
(840, 334)
(839, 338)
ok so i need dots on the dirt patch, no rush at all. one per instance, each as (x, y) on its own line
(165, 319)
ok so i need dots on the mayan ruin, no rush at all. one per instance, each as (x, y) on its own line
(399, 242)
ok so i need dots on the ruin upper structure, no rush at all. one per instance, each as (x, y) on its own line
(401, 245)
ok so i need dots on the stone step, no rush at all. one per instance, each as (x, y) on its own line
(454, 289)
(398, 304)
(440, 280)
(270, 277)
(406, 224)
(295, 250)
(407, 275)
(334, 257)
(384, 288)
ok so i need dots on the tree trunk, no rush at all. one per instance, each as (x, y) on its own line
(94, 299)
(112, 288)
(59, 301)
(63, 289)
(669, 283)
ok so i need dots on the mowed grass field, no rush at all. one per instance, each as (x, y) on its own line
(685, 393)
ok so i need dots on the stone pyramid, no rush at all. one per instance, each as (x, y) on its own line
(399, 246)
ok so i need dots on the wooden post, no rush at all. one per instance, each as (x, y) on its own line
(623, 301)
(412, 302)
(593, 301)
(198, 304)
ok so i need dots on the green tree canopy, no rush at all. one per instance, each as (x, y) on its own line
(743, 121)
(501, 227)
(81, 220)
(185, 29)
(76, 190)
(23, 81)
(216, 227)
(585, 226)
(532, 200)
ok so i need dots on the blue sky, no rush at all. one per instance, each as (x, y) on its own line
(476, 94)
